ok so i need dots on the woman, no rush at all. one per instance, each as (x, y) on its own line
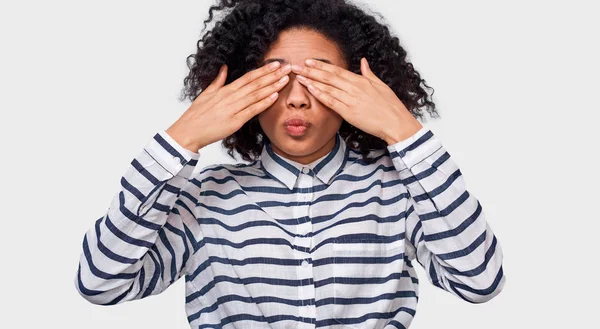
(344, 189)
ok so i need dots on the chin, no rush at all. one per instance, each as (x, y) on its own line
(295, 147)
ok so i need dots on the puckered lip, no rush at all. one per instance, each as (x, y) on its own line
(296, 121)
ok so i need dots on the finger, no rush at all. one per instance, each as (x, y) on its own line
(259, 95)
(330, 74)
(258, 84)
(253, 75)
(329, 101)
(219, 81)
(256, 108)
(338, 94)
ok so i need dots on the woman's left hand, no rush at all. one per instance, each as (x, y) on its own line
(364, 100)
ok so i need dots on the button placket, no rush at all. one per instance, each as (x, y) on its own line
(301, 210)
(307, 196)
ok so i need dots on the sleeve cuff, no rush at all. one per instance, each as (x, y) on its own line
(173, 157)
(407, 153)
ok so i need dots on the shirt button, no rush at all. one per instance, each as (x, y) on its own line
(177, 160)
(304, 263)
(305, 170)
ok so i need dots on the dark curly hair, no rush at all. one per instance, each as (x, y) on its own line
(245, 34)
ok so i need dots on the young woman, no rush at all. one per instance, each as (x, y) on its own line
(344, 189)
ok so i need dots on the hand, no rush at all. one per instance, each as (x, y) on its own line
(364, 100)
(220, 111)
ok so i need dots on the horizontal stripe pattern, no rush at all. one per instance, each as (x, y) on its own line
(275, 243)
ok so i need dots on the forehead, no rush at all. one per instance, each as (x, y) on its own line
(294, 46)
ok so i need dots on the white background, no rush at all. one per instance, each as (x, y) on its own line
(85, 84)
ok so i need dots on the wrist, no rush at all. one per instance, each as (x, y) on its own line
(183, 140)
(401, 132)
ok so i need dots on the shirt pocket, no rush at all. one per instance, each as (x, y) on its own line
(366, 274)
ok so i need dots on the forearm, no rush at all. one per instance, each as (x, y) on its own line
(140, 236)
(446, 222)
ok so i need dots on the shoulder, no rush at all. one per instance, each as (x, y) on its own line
(223, 171)
(375, 158)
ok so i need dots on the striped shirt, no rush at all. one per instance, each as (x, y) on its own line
(279, 244)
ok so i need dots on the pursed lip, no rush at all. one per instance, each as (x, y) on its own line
(296, 121)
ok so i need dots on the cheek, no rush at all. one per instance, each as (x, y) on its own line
(262, 117)
(333, 118)
(334, 122)
(267, 114)
(266, 121)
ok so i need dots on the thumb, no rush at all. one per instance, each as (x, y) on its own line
(365, 69)
(220, 79)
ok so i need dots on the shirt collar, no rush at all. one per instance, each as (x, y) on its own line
(287, 171)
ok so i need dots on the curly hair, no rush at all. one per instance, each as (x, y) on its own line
(249, 27)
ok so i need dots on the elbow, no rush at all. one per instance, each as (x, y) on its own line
(495, 292)
(97, 295)
(490, 282)
(479, 296)
(87, 294)
(90, 299)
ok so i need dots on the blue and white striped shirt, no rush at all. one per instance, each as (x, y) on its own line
(278, 244)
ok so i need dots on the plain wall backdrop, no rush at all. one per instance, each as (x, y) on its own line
(85, 85)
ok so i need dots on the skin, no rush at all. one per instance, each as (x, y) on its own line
(293, 47)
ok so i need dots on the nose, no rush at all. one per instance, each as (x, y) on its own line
(297, 94)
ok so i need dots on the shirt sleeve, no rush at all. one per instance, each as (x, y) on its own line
(140, 246)
(445, 222)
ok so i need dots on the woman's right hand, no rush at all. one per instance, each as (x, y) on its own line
(220, 110)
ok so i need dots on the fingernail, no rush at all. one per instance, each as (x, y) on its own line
(274, 65)
(286, 68)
